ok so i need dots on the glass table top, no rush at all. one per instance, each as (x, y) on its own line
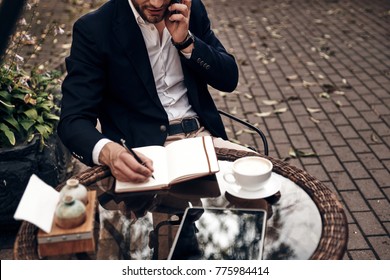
(144, 225)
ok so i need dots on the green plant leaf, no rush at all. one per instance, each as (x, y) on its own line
(30, 137)
(21, 92)
(5, 95)
(44, 130)
(5, 110)
(27, 124)
(32, 114)
(11, 120)
(7, 105)
(46, 105)
(40, 120)
(51, 116)
(8, 134)
(19, 96)
(43, 96)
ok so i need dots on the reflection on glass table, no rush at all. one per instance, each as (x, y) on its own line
(220, 234)
(304, 219)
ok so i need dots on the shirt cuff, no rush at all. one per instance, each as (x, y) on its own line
(97, 149)
(186, 55)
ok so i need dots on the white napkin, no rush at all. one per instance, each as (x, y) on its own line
(38, 204)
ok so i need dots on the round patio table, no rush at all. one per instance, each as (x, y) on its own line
(305, 219)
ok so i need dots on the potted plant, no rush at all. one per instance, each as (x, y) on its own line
(27, 105)
(29, 113)
(28, 142)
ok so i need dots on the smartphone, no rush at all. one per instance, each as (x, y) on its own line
(220, 234)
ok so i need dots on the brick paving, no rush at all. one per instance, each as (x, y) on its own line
(325, 66)
(295, 51)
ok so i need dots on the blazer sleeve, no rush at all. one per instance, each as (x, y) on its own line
(209, 58)
(82, 94)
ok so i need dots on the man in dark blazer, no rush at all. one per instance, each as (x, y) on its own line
(115, 75)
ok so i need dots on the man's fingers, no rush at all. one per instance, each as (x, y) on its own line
(148, 163)
(145, 168)
(131, 165)
(126, 174)
(177, 17)
(180, 9)
(123, 165)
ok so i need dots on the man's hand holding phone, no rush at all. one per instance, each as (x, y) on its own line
(177, 20)
(175, 2)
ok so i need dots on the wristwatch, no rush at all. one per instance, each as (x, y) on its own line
(187, 41)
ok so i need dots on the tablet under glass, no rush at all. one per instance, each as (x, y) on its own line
(220, 234)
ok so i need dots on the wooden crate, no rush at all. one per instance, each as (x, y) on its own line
(61, 241)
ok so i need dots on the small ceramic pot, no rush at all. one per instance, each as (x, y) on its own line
(76, 190)
(70, 213)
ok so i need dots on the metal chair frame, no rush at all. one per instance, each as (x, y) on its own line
(250, 126)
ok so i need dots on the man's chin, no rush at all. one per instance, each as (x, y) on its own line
(154, 19)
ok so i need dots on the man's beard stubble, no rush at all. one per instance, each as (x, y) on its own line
(150, 18)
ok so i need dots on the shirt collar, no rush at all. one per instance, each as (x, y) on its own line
(137, 16)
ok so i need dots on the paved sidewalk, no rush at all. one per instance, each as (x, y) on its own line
(327, 63)
(325, 67)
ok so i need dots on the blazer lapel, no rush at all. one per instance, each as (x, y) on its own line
(130, 37)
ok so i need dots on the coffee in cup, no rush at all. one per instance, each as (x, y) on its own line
(249, 172)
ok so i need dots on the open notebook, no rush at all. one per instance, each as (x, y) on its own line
(177, 162)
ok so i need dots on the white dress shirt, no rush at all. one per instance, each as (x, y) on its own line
(168, 75)
(167, 71)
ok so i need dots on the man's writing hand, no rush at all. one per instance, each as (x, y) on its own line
(124, 167)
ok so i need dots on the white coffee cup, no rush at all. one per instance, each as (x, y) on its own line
(249, 172)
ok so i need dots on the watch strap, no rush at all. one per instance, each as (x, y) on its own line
(188, 41)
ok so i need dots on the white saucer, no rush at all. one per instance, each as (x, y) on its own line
(271, 186)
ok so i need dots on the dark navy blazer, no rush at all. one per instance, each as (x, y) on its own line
(110, 79)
